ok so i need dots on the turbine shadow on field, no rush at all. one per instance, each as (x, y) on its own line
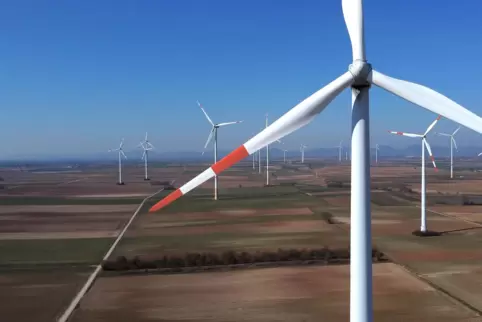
(458, 230)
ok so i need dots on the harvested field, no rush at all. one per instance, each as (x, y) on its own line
(459, 187)
(271, 294)
(245, 228)
(37, 296)
(338, 201)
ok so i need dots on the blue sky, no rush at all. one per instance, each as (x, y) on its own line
(76, 76)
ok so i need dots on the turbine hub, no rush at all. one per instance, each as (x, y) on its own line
(360, 70)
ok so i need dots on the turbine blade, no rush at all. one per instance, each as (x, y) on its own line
(455, 132)
(443, 134)
(145, 139)
(412, 135)
(430, 153)
(229, 123)
(294, 119)
(141, 145)
(455, 144)
(209, 138)
(429, 99)
(430, 127)
(479, 154)
(143, 155)
(150, 145)
(122, 152)
(207, 116)
(121, 144)
(353, 14)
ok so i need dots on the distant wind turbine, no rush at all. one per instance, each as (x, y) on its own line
(340, 148)
(377, 147)
(302, 149)
(146, 146)
(423, 219)
(214, 132)
(452, 144)
(284, 155)
(121, 152)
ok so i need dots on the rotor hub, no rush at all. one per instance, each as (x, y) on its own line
(360, 70)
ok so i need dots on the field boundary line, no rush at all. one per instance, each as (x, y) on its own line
(453, 217)
(438, 288)
(76, 300)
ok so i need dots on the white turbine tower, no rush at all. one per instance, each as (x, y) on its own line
(452, 145)
(302, 149)
(267, 155)
(423, 218)
(214, 133)
(377, 147)
(121, 152)
(284, 155)
(340, 149)
(146, 146)
(360, 76)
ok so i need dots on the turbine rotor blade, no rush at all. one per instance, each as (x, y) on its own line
(412, 135)
(143, 155)
(455, 144)
(294, 119)
(428, 99)
(430, 153)
(353, 14)
(121, 144)
(206, 114)
(455, 132)
(229, 123)
(122, 152)
(150, 145)
(443, 134)
(209, 138)
(430, 127)
(479, 154)
(145, 139)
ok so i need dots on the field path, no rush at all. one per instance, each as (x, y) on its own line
(76, 300)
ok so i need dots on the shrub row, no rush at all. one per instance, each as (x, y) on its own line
(233, 258)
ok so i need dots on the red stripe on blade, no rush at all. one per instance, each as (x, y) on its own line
(167, 200)
(439, 117)
(232, 158)
(399, 133)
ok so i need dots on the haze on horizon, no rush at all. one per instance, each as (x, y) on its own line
(77, 77)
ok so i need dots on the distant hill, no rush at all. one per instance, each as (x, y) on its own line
(195, 156)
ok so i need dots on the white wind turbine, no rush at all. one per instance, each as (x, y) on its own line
(214, 133)
(121, 152)
(267, 155)
(377, 147)
(146, 146)
(340, 148)
(452, 145)
(360, 76)
(423, 218)
(284, 155)
(302, 149)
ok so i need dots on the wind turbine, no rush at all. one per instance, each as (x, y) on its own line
(214, 133)
(452, 144)
(340, 148)
(267, 155)
(284, 155)
(377, 147)
(121, 152)
(360, 76)
(146, 146)
(423, 218)
(302, 149)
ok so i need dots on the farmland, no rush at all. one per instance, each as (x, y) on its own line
(64, 223)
